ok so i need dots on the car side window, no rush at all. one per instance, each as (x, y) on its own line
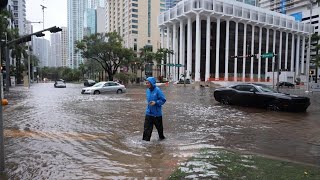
(106, 85)
(246, 88)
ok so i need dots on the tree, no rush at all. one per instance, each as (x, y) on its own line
(107, 50)
(162, 54)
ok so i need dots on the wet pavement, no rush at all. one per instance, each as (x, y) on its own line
(55, 133)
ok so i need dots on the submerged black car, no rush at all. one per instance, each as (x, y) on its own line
(260, 95)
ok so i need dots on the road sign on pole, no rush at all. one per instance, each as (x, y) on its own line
(267, 55)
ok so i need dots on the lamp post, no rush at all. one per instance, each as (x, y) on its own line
(309, 49)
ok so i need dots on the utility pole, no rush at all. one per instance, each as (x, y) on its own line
(43, 7)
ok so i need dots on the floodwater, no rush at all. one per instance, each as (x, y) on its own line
(53, 133)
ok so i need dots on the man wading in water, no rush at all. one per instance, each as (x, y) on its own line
(155, 100)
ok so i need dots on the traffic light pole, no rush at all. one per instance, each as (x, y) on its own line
(23, 39)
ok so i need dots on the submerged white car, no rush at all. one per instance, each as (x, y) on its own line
(104, 87)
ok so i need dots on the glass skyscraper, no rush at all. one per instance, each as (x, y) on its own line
(76, 11)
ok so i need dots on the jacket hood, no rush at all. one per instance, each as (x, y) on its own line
(152, 81)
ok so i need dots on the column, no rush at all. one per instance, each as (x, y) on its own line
(168, 56)
(267, 50)
(280, 51)
(226, 58)
(252, 52)
(175, 51)
(297, 55)
(189, 50)
(292, 53)
(245, 51)
(286, 57)
(198, 44)
(302, 53)
(236, 53)
(181, 57)
(217, 49)
(207, 75)
(259, 60)
(162, 45)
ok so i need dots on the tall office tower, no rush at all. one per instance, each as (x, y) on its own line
(135, 21)
(90, 21)
(76, 9)
(101, 19)
(55, 50)
(41, 50)
(64, 47)
(18, 9)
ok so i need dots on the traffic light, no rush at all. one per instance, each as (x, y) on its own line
(40, 34)
(55, 29)
(3, 4)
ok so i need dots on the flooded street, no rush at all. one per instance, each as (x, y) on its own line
(53, 133)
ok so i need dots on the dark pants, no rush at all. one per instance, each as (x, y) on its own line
(148, 127)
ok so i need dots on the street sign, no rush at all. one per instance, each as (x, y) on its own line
(267, 55)
(179, 65)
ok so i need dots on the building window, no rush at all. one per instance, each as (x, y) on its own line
(135, 40)
(135, 26)
(135, 15)
(134, 10)
(134, 32)
(134, 21)
(134, 5)
(135, 47)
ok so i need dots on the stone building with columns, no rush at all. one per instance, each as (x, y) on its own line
(207, 35)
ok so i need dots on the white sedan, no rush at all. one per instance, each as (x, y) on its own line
(104, 87)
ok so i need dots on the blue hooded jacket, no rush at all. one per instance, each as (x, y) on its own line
(154, 94)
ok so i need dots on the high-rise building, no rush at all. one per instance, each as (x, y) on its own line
(90, 21)
(76, 12)
(18, 9)
(135, 21)
(64, 47)
(55, 49)
(101, 19)
(41, 50)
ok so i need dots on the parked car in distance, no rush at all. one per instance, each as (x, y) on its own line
(60, 84)
(285, 84)
(104, 87)
(181, 81)
(89, 82)
(260, 95)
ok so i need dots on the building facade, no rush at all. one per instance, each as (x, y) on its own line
(64, 47)
(101, 20)
(214, 40)
(55, 59)
(135, 21)
(18, 9)
(90, 22)
(76, 12)
(41, 50)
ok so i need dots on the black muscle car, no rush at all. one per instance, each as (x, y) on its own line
(260, 95)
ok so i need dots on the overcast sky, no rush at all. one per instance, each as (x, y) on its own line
(54, 15)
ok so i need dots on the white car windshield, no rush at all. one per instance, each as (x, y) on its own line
(60, 82)
(100, 84)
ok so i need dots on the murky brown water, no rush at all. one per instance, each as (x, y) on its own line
(61, 134)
